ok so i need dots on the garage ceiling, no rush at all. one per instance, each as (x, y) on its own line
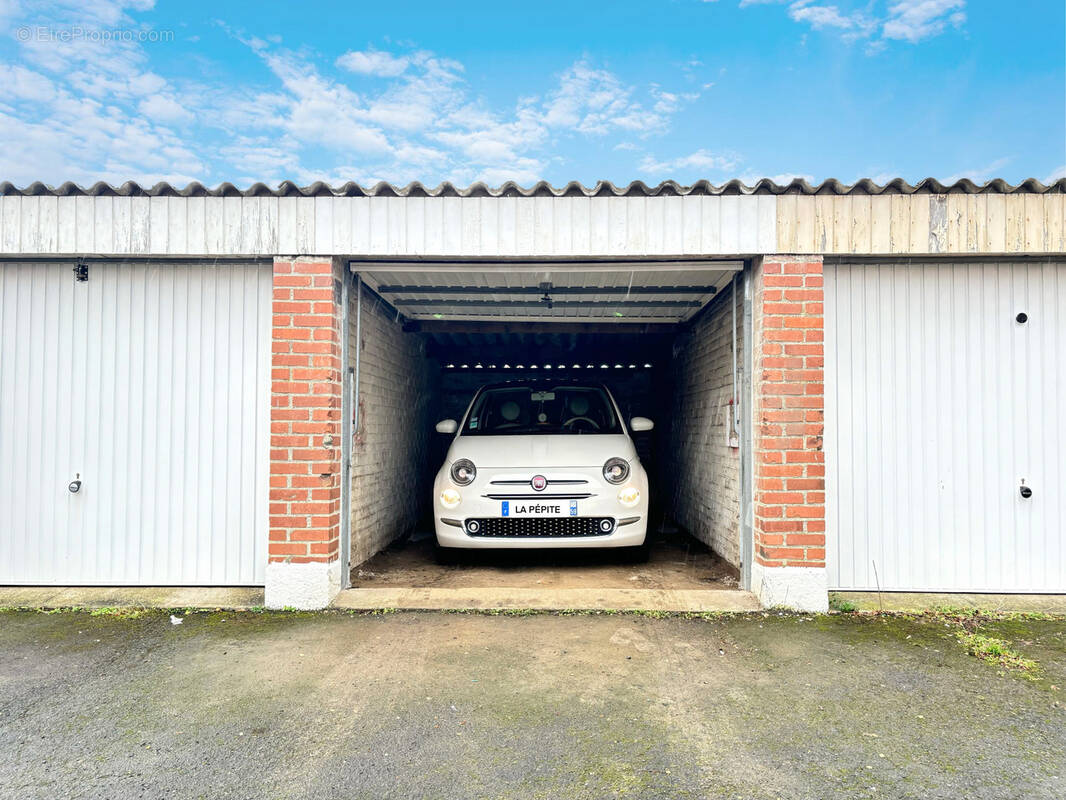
(593, 291)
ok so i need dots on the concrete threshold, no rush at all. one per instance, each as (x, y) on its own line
(496, 598)
(933, 601)
(130, 597)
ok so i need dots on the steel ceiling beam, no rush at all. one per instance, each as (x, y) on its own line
(511, 264)
(554, 290)
(432, 303)
(502, 327)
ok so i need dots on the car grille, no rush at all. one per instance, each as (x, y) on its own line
(541, 497)
(548, 527)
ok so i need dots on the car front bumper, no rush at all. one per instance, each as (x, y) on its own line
(526, 533)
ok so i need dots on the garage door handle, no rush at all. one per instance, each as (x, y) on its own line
(1025, 490)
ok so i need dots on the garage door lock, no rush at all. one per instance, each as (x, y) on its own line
(75, 485)
(1025, 490)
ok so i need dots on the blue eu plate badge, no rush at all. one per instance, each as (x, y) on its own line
(506, 509)
(573, 508)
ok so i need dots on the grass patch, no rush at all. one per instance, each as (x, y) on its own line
(576, 612)
(841, 604)
(997, 652)
(120, 612)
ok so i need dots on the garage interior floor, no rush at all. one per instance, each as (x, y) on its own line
(677, 562)
(485, 323)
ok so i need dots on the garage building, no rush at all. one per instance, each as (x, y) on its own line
(854, 386)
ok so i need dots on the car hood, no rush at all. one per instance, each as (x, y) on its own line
(542, 451)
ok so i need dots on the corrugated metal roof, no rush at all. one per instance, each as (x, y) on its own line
(540, 189)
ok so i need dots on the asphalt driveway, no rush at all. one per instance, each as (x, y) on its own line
(453, 706)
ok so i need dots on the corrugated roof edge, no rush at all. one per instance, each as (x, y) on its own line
(540, 189)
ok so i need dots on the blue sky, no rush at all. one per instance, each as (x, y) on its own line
(681, 89)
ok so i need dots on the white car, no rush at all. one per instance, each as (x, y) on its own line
(539, 464)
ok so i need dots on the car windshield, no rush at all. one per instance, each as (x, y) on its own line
(535, 409)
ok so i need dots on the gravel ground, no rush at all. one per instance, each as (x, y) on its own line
(453, 706)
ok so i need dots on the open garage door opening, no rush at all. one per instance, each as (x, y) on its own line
(665, 339)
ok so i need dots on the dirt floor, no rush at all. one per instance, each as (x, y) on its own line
(677, 562)
(404, 705)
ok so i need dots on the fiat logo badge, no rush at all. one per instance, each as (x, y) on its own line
(539, 483)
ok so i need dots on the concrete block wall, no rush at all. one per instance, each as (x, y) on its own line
(391, 469)
(705, 469)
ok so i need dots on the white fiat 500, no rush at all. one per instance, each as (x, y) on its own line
(541, 464)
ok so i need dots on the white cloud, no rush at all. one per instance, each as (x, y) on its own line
(373, 62)
(1056, 175)
(261, 158)
(782, 178)
(915, 20)
(9, 9)
(699, 161)
(820, 16)
(982, 174)
(87, 109)
(905, 20)
(165, 109)
(317, 110)
(24, 84)
(880, 177)
(594, 101)
(92, 110)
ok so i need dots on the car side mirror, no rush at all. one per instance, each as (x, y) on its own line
(640, 424)
(447, 426)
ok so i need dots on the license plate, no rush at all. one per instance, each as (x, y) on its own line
(538, 508)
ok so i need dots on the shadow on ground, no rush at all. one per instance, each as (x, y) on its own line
(462, 706)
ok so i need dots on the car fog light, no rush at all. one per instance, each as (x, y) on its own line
(629, 496)
(450, 498)
(473, 526)
(606, 525)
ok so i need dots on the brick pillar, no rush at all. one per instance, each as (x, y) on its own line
(789, 408)
(305, 434)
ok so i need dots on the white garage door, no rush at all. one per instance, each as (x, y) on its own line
(151, 383)
(939, 403)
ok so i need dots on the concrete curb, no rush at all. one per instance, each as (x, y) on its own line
(934, 601)
(130, 597)
(427, 599)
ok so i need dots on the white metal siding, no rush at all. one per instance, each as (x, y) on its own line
(393, 226)
(938, 403)
(152, 381)
(922, 223)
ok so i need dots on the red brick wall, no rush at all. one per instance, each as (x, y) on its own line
(305, 413)
(789, 464)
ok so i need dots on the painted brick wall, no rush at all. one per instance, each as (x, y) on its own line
(706, 492)
(305, 414)
(789, 463)
(391, 469)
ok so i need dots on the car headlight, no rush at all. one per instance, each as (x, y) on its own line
(629, 495)
(616, 470)
(450, 498)
(463, 472)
